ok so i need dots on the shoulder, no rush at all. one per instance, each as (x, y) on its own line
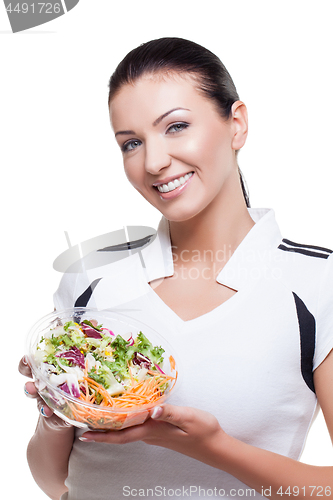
(102, 285)
(307, 250)
(110, 262)
(308, 272)
(304, 268)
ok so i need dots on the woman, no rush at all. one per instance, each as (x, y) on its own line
(249, 313)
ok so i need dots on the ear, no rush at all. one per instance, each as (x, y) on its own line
(240, 125)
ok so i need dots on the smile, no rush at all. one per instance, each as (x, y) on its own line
(171, 186)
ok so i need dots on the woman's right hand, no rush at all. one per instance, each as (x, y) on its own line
(51, 420)
(52, 433)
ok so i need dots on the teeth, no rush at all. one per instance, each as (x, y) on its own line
(165, 188)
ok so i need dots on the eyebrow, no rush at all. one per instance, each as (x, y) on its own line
(124, 132)
(156, 122)
(160, 118)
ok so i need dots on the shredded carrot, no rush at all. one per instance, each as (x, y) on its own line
(141, 395)
(99, 389)
(172, 363)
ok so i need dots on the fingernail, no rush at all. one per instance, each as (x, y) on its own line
(43, 411)
(27, 393)
(157, 412)
(24, 360)
(87, 440)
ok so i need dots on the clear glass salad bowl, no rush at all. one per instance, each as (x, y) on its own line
(94, 379)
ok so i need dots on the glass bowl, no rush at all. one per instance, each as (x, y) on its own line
(77, 411)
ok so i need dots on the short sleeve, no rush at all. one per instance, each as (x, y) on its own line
(65, 296)
(74, 284)
(324, 320)
(78, 288)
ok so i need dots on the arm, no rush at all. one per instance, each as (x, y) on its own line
(48, 453)
(49, 448)
(197, 434)
(257, 466)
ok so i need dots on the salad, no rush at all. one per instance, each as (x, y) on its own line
(93, 364)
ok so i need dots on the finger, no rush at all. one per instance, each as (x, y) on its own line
(52, 421)
(129, 435)
(45, 411)
(30, 390)
(24, 368)
(180, 416)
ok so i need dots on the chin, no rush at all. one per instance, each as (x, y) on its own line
(176, 214)
(179, 209)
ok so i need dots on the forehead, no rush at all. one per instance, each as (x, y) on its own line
(152, 95)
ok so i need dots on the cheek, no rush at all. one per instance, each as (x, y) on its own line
(134, 173)
(189, 152)
(132, 178)
(206, 152)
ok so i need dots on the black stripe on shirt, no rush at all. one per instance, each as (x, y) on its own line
(299, 245)
(304, 252)
(84, 298)
(307, 331)
(310, 250)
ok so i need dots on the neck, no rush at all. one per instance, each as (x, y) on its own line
(220, 227)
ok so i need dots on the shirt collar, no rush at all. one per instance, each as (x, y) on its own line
(248, 263)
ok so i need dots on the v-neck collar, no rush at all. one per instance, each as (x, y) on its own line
(246, 264)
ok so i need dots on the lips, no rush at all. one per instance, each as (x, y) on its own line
(172, 189)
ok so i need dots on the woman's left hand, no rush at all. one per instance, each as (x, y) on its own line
(190, 431)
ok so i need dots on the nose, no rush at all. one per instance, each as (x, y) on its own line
(156, 156)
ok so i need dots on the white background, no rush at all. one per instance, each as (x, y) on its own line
(61, 168)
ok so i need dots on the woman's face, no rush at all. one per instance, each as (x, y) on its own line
(178, 152)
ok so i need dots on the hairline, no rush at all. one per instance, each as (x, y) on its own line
(191, 75)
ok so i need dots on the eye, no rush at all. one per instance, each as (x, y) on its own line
(130, 145)
(177, 127)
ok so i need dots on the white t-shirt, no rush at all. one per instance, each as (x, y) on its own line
(249, 361)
